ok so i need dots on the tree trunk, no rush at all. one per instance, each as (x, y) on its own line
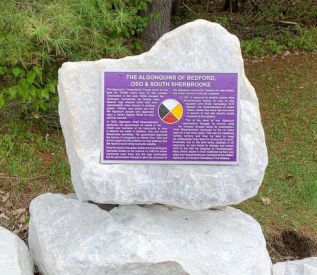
(231, 5)
(159, 22)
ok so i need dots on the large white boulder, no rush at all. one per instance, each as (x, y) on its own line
(71, 237)
(15, 258)
(197, 46)
(306, 266)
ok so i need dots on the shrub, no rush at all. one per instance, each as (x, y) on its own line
(252, 47)
(38, 36)
(304, 39)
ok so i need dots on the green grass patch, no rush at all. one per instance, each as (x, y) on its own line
(288, 101)
(32, 159)
(304, 39)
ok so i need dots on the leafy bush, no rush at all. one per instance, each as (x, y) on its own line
(252, 47)
(37, 36)
(305, 39)
(30, 88)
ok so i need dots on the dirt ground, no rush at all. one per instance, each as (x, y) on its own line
(286, 244)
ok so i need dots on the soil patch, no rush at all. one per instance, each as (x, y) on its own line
(291, 245)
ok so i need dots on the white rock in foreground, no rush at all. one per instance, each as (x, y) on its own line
(71, 237)
(306, 266)
(197, 46)
(15, 258)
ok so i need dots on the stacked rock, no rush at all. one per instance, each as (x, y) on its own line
(307, 266)
(15, 258)
(182, 235)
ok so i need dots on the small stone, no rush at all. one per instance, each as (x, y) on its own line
(81, 238)
(307, 266)
(15, 258)
(287, 53)
(266, 201)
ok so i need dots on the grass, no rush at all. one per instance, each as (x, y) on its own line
(32, 161)
(304, 39)
(287, 92)
(32, 154)
(33, 158)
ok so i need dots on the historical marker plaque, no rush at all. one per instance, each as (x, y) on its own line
(165, 117)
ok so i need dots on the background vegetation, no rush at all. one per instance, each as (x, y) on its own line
(38, 36)
(264, 27)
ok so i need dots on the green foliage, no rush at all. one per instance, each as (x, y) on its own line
(301, 11)
(252, 47)
(258, 47)
(307, 40)
(38, 36)
(258, 23)
(222, 20)
(29, 88)
(274, 47)
(304, 39)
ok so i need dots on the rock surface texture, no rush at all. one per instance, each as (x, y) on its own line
(198, 46)
(306, 266)
(15, 258)
(80, 238)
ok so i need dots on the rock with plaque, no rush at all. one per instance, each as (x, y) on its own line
(178, 125)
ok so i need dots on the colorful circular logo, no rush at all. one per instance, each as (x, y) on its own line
(170, 111)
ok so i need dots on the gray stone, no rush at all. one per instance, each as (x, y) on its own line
(71, 237)
(306, 266)
(15, 258)
(197, 46)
